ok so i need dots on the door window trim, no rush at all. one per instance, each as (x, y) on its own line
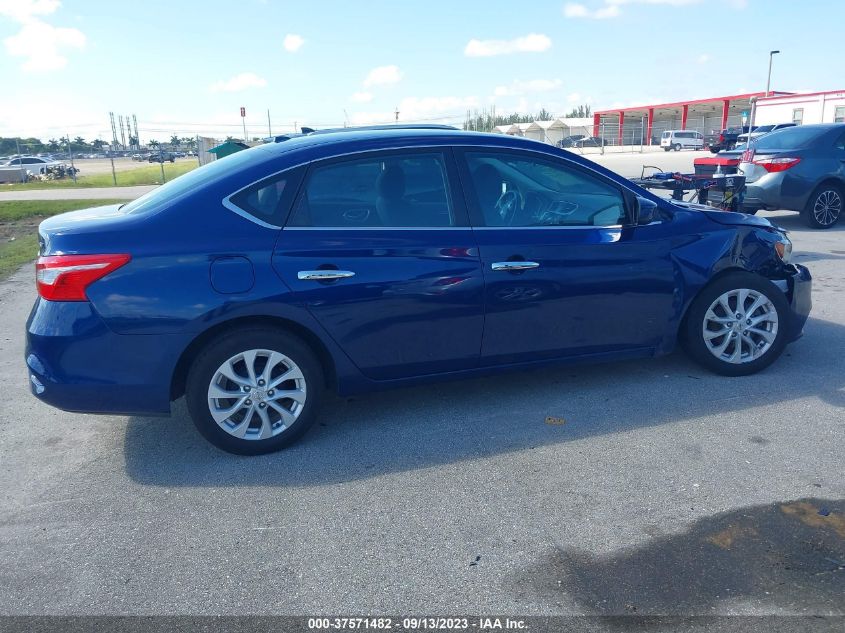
(475, 215)
(452, 185)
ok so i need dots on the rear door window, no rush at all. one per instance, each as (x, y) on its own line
(382, 190)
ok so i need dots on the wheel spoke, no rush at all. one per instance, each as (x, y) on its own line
(752, 346)
(227, 370)
(216, 391)
(221, 415)
(241, 429)
(274, 359)
(288, 418)
(266, 425)
(736, 354)
(297, 395)
(292, 373)
(768, 336)
(249, 361)
(710, 335)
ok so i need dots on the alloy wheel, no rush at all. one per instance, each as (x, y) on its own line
(828, 207)
(740, 326)
(257, 394)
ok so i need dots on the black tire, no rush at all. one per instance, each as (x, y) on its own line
(693, 329)
(829, 192)
(225, 347)
(677, 147)
(666, 149)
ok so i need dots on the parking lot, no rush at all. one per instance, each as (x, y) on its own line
(659, 488)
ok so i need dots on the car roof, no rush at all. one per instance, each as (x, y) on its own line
(399, 136)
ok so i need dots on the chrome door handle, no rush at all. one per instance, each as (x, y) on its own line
(324, 275)
(518, 265)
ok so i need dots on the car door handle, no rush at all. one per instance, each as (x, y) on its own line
(517, 265)
(324, 275)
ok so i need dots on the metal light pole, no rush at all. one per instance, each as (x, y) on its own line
(769, 80)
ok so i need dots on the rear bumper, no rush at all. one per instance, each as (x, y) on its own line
(76, 363)
(799, 291)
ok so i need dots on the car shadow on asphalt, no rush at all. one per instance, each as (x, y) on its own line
(786, 557)
(412, 428)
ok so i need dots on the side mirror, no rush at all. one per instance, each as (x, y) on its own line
(645, 212)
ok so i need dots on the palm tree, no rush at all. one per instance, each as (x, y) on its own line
(153, 143)
(53, 144)
(98, 143)
(174, 141)
(79, 141)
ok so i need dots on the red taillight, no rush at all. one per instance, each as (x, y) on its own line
(66, 277)
(772, 165)
(721, 138)
(747, 156)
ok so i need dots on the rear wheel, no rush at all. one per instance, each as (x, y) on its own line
(254, 391)
(824, 208)
(737, 325)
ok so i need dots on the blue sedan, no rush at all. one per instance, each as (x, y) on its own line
(362, 259)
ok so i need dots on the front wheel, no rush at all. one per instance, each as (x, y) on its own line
(677, 147)
(254, 391)
(824, 207)
(737, 325)
(666, 149)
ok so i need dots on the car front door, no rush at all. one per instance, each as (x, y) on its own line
(379, 249)
(566, 275)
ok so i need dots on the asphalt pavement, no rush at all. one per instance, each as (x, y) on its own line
(666, 489)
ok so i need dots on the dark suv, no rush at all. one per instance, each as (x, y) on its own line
(727, 138)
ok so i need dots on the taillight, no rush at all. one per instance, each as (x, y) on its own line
(66, 277)
(772, 165)
(721, 138)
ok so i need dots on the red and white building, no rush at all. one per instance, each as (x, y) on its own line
(627, 126)
(811, 107)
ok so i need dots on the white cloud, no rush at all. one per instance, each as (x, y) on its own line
(518, 87)
(703, 58)
(244, 81)
(383, 75)
(293, 42)
(531, 43)
(574, 97)
(362, 97)
(610, 8)
(39, 44)
(575, 10)
(23, 10)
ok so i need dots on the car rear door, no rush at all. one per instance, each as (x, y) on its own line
(379, 249)
(564, 275)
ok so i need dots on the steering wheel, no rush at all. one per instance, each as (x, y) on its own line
(507, 205)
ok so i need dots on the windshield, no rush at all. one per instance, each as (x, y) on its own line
(787, 138)
(193, 179)
(765, 128)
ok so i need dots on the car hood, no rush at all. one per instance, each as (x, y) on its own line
(724, 217)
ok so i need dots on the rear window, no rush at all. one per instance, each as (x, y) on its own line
(195, 179)
(788, 138)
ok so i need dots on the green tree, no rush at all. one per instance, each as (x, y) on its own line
(133, 141)
(153, 143)
(98, 144)
(53, 144)
(175, 141)
(80, 142)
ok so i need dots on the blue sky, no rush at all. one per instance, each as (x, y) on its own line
(186, 66)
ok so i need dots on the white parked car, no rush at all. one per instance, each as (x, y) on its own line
(762, 130)
(34, 164)
(681, 139)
